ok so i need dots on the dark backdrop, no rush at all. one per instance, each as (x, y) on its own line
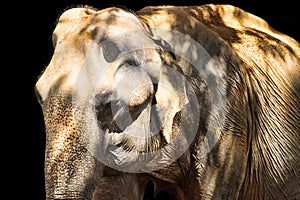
(42, 17)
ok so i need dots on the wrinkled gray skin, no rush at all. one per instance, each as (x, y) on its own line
(249, 149)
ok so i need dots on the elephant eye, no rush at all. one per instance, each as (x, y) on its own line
(110, 50)
(131, 62)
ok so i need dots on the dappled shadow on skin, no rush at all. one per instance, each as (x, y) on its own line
(271, 62)
(267, 62)
(213, 20)
(250, 37)
(236, 26)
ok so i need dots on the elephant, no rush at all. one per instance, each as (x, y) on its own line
(170, 102)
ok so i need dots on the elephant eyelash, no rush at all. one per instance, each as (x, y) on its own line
(132, 62)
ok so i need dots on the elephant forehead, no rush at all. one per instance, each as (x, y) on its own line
(78, 23)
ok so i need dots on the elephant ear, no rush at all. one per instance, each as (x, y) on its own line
(194, 78)
(179, 97)
(170, 97)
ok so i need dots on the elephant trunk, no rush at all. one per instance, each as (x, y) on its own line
(71, 179)
(70, 169)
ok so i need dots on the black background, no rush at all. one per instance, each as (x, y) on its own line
(36, 34)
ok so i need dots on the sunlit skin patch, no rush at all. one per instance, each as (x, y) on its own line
(170, 102)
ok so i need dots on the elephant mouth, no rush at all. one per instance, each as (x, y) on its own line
(149, 187)
(153, 192)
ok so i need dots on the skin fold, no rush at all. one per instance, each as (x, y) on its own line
(199, 102)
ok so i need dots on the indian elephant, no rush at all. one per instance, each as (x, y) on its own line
(198, 102)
